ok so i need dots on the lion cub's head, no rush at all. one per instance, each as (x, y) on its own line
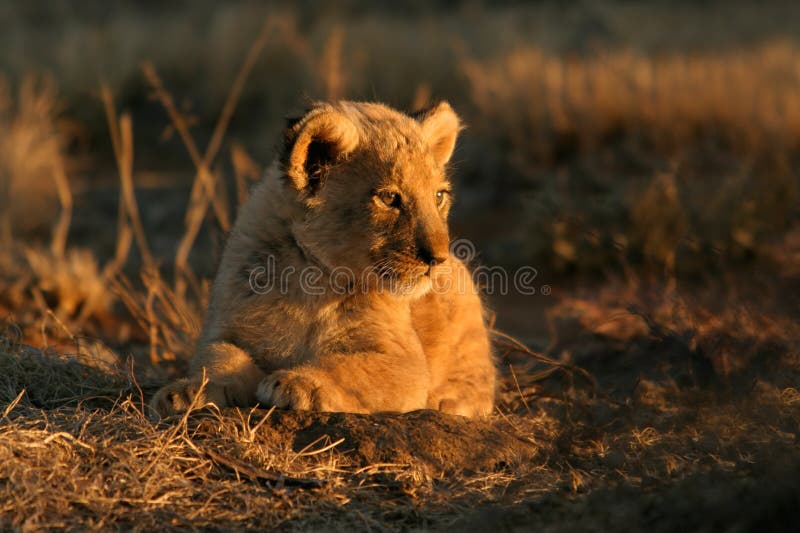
(372, 191)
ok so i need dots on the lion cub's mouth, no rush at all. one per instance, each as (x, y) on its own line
(403, 273)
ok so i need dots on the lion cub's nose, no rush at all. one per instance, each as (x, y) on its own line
(432, 257)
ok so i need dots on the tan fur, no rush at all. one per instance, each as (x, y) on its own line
(388, 341)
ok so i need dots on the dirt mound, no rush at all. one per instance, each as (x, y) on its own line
(424, 439)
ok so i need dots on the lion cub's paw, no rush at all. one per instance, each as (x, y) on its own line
(177, 397)
(287, 389)
(292, 389)
(464, 408)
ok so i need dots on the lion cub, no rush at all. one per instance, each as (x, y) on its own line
(337, 290)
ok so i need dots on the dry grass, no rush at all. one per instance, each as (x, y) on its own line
(86, 455)
(628, 158)
(32, 173)
(80, 451)
(659, 401)
(575, 114)
(543, 104)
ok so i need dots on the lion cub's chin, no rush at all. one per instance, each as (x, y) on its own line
(413, 289)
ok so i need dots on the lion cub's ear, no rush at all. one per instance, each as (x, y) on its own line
(317, 140)
(440, 127)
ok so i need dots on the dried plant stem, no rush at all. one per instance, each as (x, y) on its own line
(126, 177)
(6, 232)
(511, 344)
(245, 170)
(331, 65)
(235, 92)
(122, 140)
(204, 180)
(61, 229)
(128, 220)
(204, 187)
(277, 479)
(124, 231)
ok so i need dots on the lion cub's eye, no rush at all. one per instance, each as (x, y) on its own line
(388, 199)
(441, 197)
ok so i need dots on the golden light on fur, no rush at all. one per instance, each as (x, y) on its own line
(329, 129)
(440, 126)
(361, 189)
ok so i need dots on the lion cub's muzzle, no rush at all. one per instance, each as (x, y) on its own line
(432, 257)
(432, 248)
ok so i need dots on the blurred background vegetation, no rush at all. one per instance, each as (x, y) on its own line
(644, 157)
(603, 137)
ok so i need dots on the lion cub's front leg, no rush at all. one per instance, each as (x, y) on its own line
(453, 333)
(231, 380)
(360, 381)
